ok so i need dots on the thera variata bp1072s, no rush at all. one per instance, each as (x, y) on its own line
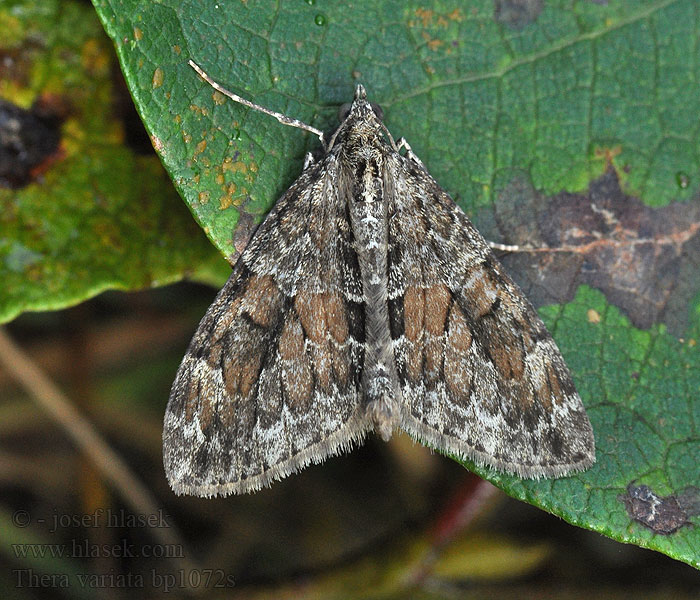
(367, 301)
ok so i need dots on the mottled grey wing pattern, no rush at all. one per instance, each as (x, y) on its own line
(480, 375)
(271, 380)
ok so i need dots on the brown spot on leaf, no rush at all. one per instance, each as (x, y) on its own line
(643, 259)
(516, 14)
(425, 15)
(431, 43)
(661, 514)
(218, 98)
(157, 144)
(158, 77)
(593, 315)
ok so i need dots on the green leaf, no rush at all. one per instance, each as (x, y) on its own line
(479, 92)
(99, 216)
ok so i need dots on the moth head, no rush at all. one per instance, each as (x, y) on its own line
(360, 121)
(361, 104)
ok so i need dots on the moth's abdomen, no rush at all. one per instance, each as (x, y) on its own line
(369, 218)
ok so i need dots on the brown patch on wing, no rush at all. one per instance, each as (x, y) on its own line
(480, 291)
(309, 307)
(239, 332)
(240, 371)
(228, 412)
(323, 318)
(207, 410)
(339, 329)
(458, 376)
(341, 366)
(192, 400)
(414, 310)
(223, 324)
(261, 299)
(236, 349)
(297, 377)
(437, 302)
(336, 317)
(504, 343)
(548, 387)
(425, 314)
(554, 384)
(291, 342)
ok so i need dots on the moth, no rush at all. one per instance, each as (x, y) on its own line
(367, 301)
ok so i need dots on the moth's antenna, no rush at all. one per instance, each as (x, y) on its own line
(284, 119)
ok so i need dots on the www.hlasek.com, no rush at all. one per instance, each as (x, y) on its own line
(83, 548)
(181, 579)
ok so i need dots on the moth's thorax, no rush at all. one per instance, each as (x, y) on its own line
(362, 146)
